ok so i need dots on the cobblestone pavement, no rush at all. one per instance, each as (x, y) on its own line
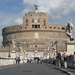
(30, 69)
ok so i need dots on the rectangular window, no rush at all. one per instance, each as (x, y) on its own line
(44, 24)
(26, 20)
(38, 26)
(33, 20)
(33, 26)
(26, 23)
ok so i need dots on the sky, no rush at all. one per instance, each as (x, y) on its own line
(59, 11)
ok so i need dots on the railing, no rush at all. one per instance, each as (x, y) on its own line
(6, 61)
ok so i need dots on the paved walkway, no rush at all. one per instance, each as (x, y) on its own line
(30, 69)
(69, 71)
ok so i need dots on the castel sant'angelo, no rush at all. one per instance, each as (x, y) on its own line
(36, 37)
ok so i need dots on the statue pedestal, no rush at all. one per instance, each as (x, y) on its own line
(70, 48)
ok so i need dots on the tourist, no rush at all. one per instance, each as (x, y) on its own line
(65, 60)
(62, 60)
(58, 59)
(16, 59)
(54, 59)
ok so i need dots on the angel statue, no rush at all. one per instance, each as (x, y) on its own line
(36, 7)
(13, 44)
(69, 30)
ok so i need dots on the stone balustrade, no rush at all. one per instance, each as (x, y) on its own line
(9, 61)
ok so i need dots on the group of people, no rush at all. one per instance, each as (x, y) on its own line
(29, 60)
(57, 60)
(17, 59)
(61, 60)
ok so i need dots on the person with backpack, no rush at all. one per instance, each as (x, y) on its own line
(58, 59)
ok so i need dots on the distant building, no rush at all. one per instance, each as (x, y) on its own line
(35, 38)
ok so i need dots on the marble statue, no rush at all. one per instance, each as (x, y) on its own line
(13, 44)
(69, 29)
(21, 49)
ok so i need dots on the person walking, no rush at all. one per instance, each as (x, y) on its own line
(58, 59)
(54, 59)
(65, 60)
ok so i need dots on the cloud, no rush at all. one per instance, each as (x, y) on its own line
(1, 19)
(19, 21)
(56, 17)
(53, 7)
(28, 1)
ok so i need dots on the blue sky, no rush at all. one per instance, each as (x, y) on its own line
(59, 11)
